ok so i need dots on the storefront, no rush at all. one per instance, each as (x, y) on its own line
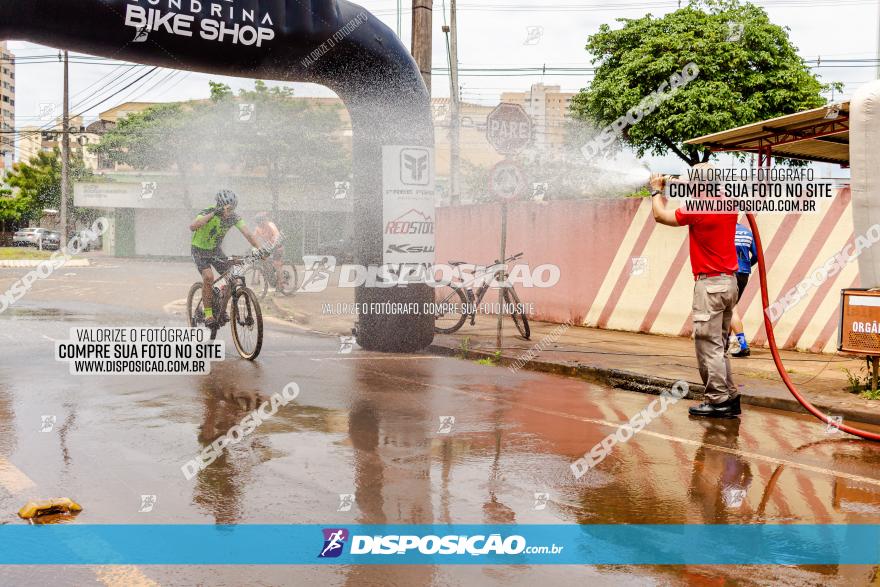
(150, 215)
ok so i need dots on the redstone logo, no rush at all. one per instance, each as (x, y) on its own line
(411, 222)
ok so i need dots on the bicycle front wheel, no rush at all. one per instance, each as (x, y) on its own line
(517, 312)
(247, 324)
(451, 309)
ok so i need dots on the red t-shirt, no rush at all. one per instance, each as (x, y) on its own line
(712, 245)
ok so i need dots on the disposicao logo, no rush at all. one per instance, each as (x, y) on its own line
(334, 540)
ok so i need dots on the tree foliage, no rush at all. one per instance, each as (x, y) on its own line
(37, 186)
(741, 80)
(261, 132)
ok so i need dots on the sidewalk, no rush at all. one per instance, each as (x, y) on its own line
(623, 360)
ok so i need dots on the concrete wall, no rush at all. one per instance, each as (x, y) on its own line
(597, 244)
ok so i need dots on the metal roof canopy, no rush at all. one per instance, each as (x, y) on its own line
(820, 134)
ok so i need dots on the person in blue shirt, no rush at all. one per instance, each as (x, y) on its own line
(747, 256)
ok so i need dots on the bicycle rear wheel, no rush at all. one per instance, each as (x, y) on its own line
(451, 309)
(247, 323)
(257, 280)
(289, 279)
(195, 309)
(517, 312)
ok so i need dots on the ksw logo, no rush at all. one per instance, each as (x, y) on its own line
(415, 163)
(334, 540)
(406, 248)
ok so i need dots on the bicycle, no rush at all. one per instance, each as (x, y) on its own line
(458, 301)
(245, 314)
(263, 274)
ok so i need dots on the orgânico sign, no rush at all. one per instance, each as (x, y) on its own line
(509, 129)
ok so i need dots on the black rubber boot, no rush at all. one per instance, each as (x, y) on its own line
(727, 409)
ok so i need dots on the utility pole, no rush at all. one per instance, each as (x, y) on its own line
(455, 114)
(65, 153)
(421, 37)
(878, 41)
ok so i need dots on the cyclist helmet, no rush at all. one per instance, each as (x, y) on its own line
(227, 198)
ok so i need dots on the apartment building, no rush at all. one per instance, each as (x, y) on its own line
(7, 106)
(549, 108)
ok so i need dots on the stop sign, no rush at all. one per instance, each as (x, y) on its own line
(509, 128)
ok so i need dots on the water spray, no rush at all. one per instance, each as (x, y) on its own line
(620, 177)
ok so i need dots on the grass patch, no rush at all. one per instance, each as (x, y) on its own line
(869, 394)
(23, 254)
(860, 383)
(464, 347)
(491, 361)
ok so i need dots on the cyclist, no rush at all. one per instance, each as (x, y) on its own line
(269, 236)
(209, 228)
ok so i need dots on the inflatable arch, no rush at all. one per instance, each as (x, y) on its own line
(329, 42)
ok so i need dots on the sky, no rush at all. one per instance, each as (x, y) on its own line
(492, 34)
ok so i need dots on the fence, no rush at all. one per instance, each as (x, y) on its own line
(621, 270)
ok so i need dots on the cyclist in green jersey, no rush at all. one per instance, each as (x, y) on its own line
(209, 228)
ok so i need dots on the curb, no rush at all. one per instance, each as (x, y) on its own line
(637, 382)
(283, 315)
(36, 262)
(624, 380)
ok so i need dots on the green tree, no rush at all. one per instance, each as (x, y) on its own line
(741, 80)
(38, 183)
(12, 209)
(286, 140)
(37, 186)
(289, 141)
(219, 91)
(140, 139)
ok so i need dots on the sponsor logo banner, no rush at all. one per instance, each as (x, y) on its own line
(408, 204)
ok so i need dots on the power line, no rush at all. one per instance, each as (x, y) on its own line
(605, 6)
(93, 106)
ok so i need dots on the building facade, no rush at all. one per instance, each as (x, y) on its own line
(7, 106)
(548, 107)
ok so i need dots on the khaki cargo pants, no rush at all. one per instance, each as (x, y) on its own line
(714, 299)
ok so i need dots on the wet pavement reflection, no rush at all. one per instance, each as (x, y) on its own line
(369, 440)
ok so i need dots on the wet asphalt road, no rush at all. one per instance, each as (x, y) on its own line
(369, 424)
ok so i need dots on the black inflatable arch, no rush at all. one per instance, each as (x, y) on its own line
(330, 42)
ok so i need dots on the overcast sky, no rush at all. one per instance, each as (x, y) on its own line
(491, 34)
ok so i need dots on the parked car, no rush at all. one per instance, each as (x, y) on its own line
(52, 240)
(28, 237)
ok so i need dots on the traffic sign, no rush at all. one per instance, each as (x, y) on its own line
(509, 128)
(507, 181)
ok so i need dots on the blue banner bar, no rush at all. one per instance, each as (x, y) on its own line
(258, 544)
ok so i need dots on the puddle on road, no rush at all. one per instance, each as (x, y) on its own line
(44, 314)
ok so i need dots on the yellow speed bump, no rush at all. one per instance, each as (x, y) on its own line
(58, 505)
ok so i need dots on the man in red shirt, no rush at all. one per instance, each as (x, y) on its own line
(714, 263)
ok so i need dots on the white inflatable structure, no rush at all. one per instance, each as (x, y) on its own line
(864, 160)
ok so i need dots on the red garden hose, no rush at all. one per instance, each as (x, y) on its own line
(771, 340)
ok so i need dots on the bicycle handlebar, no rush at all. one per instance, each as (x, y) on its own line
(509, 259)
